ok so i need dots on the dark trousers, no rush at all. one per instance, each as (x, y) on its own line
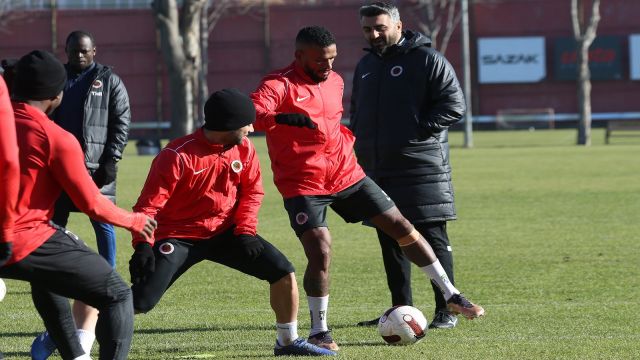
(398, 267)
(64, 267)
(173, 257)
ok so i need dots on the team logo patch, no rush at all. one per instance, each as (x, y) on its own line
(396, 71)
(166, 248)
(236, 166)
(97, 84)
(302, 218)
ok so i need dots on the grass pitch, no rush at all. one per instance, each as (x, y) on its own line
(548, 241)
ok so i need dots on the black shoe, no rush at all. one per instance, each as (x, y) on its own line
(373, 322)
(443, 320)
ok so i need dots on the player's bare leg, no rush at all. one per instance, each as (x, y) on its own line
(284, 302)
(86, 318)
(317, 248)
(419, 252)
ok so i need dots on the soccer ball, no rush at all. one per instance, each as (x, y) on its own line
(402, 325)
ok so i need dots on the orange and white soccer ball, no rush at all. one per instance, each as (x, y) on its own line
(402, 325)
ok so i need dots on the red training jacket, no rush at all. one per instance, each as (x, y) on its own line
(50, 161)
(9, 166)
(306, 161)
(196, 190)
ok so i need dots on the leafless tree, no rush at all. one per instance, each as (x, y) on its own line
(180, 44)
(437, 19)
(184, 36)
(584, 31)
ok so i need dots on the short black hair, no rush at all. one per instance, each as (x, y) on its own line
(380, 8)
(315, 35)
(79, 34)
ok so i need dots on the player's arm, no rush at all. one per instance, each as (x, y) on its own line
(267, 99)
(9, 166)
(250, 196)
(67, 165)
(445, 100)
(163, 176)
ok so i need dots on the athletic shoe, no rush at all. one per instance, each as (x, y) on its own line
(42, 347)
(324, 340)
(458, 304)
(300, 347)
(443, 320)
(373, 322)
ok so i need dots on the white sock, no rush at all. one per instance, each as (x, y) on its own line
(86, 340)
(318, 309)
(287, 332)
(436, 274)
(83, 357)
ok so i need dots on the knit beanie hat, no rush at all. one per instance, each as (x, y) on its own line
(227, 110)
(39, 76)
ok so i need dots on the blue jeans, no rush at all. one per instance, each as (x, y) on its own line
(105, 234)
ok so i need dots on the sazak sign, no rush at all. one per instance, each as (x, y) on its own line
(634, 56)
(511, 60)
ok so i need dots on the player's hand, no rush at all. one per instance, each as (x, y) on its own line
(106, 173)
(5, 252)
(299, 120)
(250, 245)
(142, 263)
(149, 227)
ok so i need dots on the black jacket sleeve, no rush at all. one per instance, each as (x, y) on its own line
(119, 119)
(446, 105)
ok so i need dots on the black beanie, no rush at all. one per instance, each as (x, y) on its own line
(227, 110)
(39, 76)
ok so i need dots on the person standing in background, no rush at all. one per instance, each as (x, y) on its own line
(405, 96)
(95, 109)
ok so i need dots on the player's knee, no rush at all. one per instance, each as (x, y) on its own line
(142, 305)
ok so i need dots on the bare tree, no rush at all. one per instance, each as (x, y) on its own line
(584, 32)
(437, 19)
(184, 37)
(180, 43)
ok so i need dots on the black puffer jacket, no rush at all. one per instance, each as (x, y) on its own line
(402, 104)
(107, 117)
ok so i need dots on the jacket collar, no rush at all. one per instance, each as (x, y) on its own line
(215, 148)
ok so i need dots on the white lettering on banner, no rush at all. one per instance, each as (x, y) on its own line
(511, 59)
(634, 56)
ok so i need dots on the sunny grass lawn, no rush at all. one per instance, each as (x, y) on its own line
(548, 241)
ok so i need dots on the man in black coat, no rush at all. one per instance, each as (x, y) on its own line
(405, 96)
(95, 108)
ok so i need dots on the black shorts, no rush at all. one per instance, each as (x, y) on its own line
(361, 201)
(173, 257)
(65, 265)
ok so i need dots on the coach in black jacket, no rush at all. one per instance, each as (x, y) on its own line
(405, 96)
(94, 108)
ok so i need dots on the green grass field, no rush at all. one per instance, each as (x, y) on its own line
(548, 241)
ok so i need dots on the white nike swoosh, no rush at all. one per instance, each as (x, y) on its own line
(365, 75)
(199, 171)
(302, 98)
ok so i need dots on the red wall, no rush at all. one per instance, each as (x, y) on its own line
(126, 40)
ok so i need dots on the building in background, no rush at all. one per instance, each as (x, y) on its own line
(522, 54)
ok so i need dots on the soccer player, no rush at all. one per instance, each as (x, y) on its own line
(95, 109)
(205, 189)
(56, 263)
(300, 108)
(9, 175)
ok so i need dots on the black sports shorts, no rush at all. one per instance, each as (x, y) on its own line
(361, 201)
(173, 257)
(65, 265)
